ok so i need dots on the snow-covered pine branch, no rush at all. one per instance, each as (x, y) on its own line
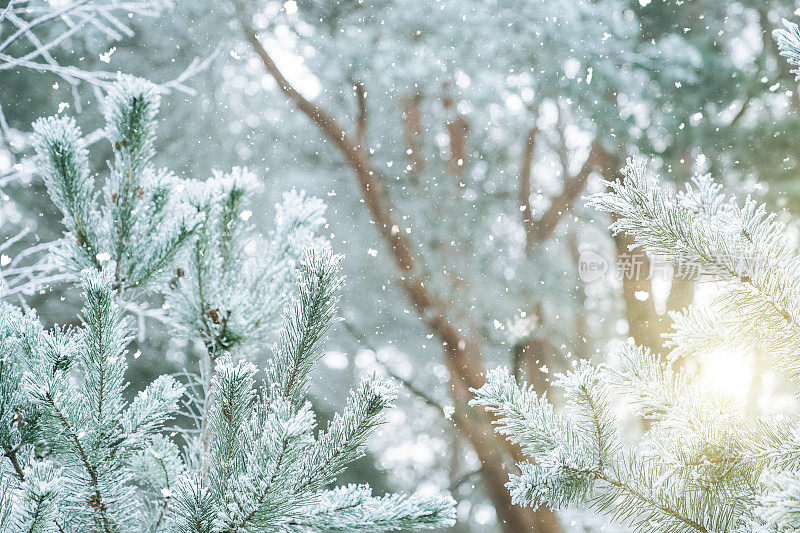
(142, 220)
(738, 243)
(234, 287)
(698, 468)
(35, 34)
(788, 39)
(77, 456)
(267, 469)
(704, 464)
(72, 439)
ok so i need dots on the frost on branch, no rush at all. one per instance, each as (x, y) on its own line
(704, 464)
(788, 40)
(82, 453)
(84, 428)
(235, 285)
(140, 221)
(267, 468)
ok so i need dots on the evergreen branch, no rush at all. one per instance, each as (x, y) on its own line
(40, 501)
(64, 166)
(591, 407)
(12, 457)
(353, 508)
(231, 402)
(522, 416)
(741, 243)
(306, 321)
(257, 464)
(346, 434)
(96, 498)
(657, 505)
(193, 510)
(152, 406)
(788, 40)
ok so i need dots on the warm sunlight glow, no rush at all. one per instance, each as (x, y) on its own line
(727, 372)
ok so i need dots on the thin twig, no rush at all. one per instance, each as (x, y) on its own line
(362, 339)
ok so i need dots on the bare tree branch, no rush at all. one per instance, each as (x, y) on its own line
(361, 118)
(524, 190)
(561, 148)
(458, 133)
(560, 204)
(411, 118)
(362, 339)
(429, 307)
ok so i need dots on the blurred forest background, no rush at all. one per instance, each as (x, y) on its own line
(453, 141)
